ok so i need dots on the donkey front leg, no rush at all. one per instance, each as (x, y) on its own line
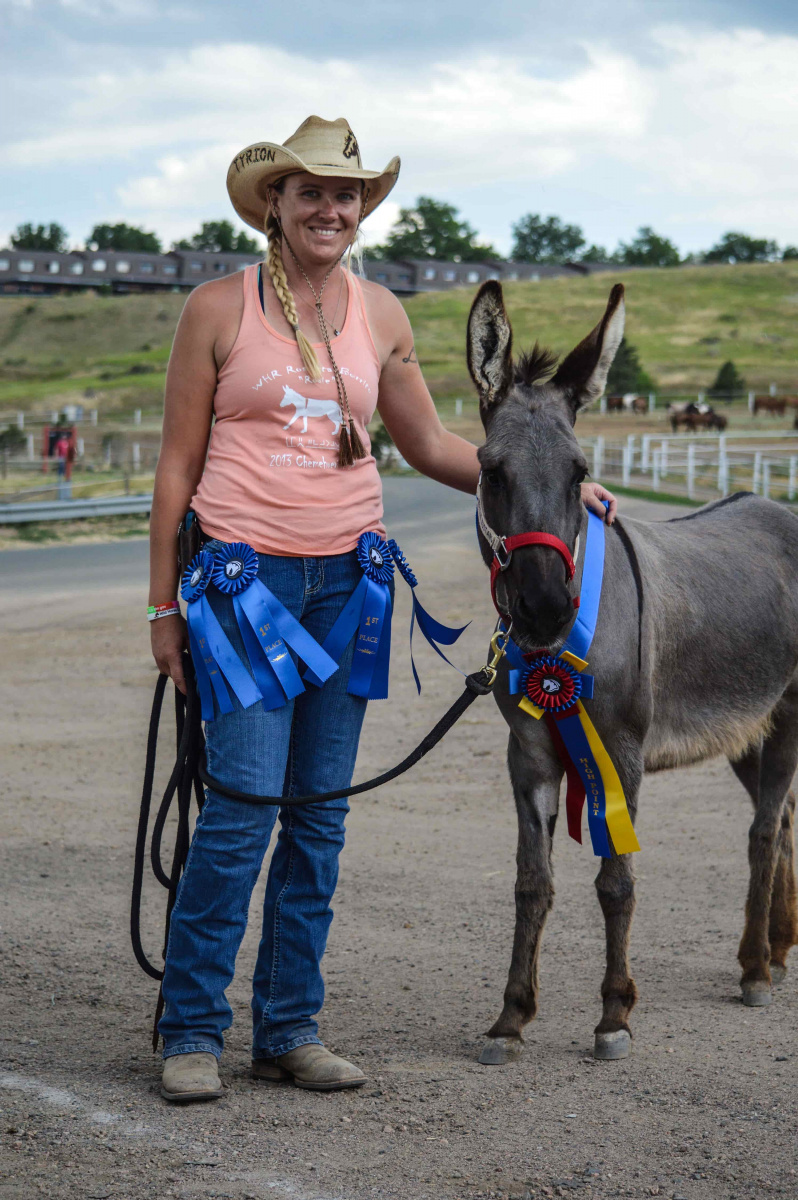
(536, 784)
(615, 885)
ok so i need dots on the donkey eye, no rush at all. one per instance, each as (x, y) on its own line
(492, 479)
(580, 475)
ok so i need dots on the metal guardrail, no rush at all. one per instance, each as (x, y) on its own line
(72, 510)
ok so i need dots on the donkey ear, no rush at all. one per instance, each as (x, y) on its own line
(583, 374)
(489, 345)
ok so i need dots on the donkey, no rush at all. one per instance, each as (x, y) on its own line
(695, 654)
(311, 408)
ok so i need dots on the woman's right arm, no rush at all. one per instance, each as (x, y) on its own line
(188, 408)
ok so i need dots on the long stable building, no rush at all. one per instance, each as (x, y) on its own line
(46, 272)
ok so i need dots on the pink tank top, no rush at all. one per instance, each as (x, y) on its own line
(272, 477)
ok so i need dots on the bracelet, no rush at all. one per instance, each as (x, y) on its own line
(164, 612)
(158, 607)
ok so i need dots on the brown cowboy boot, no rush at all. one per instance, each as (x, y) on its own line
(191, 1077)
(310, 1066)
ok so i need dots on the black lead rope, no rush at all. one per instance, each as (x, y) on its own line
(190, 773)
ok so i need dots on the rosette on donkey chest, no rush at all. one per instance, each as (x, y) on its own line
(367, 613)
(267, 628)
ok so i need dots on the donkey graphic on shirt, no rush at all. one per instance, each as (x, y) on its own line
(309, 407)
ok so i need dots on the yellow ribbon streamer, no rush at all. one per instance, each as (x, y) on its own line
(619, 823)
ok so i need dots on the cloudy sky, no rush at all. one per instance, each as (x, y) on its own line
(682, 115)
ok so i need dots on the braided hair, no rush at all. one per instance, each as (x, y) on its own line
(276, 269)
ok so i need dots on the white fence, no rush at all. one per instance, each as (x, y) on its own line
(700, 467)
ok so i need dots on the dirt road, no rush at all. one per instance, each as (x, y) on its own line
(416, 965)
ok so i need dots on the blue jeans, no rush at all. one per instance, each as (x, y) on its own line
(308, 745)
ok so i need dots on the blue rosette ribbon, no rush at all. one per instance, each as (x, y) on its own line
(435, 633)
(367, 612)
(268, 629)
(214, 658)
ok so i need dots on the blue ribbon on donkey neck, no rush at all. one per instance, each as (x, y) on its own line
(267, 628)
(214, 658)
(554, 687)
(435, 633)
(367, 612)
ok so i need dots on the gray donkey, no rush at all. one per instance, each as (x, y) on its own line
(694, 655)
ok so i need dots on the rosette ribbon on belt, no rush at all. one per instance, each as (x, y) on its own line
(267, 628)
(214, 658)
(436, 634)
(553, 687)
(367, 612)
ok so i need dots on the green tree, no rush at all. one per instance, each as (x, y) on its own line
(546, 240)
(40, 237)
(12, 440)
(432, 229)
(626, 373)
(648, 249)
(123, 237)
(740, 248)
(594, 254)
(728, 382)
(220, 238)
(789, 253)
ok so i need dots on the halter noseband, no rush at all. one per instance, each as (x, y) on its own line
(503, 548)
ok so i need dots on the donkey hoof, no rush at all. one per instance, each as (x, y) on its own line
(609, 1046)
(756, 993)
(501, 1050)
(778, 972)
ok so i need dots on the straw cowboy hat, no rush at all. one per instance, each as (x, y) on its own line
(319, 147)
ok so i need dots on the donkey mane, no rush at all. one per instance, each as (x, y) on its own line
(534, 366)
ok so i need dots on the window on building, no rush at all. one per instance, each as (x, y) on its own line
(512, 274)
(99, 264)
(146, 268)
(196, 266)
(534, 278)
(53, 266)
(169, 269)
(220, 267)
(494, 275)
(450, 276)
(5, 263)
(25, 265)
(123, 267)
(430, 272)
(76, 268)
(473, 276)
(382, 276)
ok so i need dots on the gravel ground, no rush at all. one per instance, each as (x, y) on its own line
(415, 969)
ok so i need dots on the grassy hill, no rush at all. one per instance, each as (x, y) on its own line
(684, 323)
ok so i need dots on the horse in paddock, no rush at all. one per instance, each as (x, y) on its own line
(695, 654)
(692, 422)
(775, 405)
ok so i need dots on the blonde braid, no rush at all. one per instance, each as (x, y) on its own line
(276, 269)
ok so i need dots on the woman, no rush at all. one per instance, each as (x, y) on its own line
(299, 332)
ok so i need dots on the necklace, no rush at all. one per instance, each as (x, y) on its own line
(317, 299)
(340, 386)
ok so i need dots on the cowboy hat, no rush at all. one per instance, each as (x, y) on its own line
(319, 147)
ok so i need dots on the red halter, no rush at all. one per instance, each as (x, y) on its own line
(528, 539)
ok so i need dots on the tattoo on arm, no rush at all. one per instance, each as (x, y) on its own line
(411, 358)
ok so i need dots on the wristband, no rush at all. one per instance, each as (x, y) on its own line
(154, 613)
(158, 607)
